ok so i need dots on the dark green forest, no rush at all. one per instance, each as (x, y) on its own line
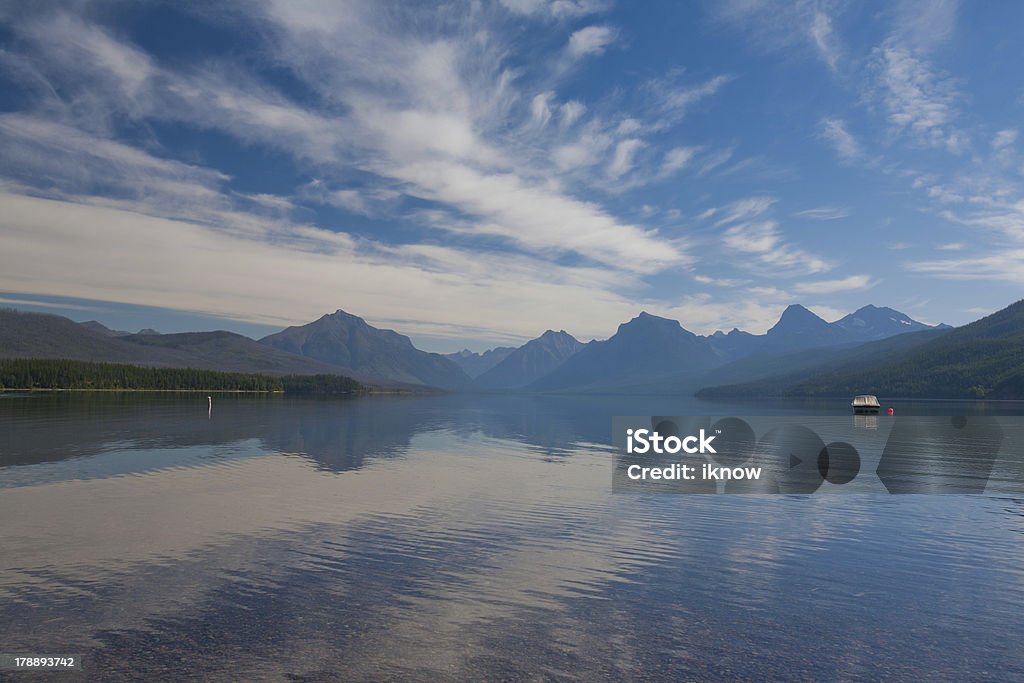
(321, 384)
(33, 373)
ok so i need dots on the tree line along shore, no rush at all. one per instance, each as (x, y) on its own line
(74, 375)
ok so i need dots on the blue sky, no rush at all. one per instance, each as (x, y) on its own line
(474, 173)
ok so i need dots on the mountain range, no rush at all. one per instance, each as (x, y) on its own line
(645, 347)
(648, 354)
(983, 359)
(799, 328)
(347, 341)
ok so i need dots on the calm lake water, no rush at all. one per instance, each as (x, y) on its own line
(466, 537)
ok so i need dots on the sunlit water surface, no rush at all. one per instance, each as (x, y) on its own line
(469, 538)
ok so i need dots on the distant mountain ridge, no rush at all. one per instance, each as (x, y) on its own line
(654, 352)
(347, 341)
(800, 328)
(773, 375)
(531, 361)
(646, 346)
(41, 335)
(983, 359)
(872, 322)
(475, 364)
(103, 329)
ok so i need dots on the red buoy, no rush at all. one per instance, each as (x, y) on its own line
(891, 411)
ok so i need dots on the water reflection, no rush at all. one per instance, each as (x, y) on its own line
(466, 539)
(865, 421)
(339, 434)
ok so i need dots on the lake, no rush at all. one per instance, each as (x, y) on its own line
(468, 537)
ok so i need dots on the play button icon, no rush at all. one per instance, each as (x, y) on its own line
(790, 454)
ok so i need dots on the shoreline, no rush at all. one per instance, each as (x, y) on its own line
(48, 390)
(5, 390)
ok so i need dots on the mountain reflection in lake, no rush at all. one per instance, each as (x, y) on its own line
(467, 538)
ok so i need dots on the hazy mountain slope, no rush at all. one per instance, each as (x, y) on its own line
(475, 364)
(347, 341)
(39, 335)
(735, 344)
(869, 323)
(982, 359)
(799, 328)
(770, 375)
(531, 361)
(103, 329)
(645, 347)
(230, 352)
(42, 335)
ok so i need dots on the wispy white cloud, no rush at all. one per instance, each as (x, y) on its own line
(540, 108)
(556, 9)
(585, 151)
(846, 146)
(676, 159)
(592, 40)
(922, 25)
(540, 219)
(744, 209)
(622, 160)
(615, 150)
(825, 213)
(804, 25)
(1003, 266)
(919, 99)
(63, 305)
(672, 99)
(628, 126)
(846, 284)
(993, 215)
(824, 39)
(763, 240)
(276, 203)
(720, 281)
(714, 160)
(570, 112)
(1004, 138)
(944, 194)
(367, 201)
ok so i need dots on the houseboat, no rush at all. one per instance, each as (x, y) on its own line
(865, 404)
